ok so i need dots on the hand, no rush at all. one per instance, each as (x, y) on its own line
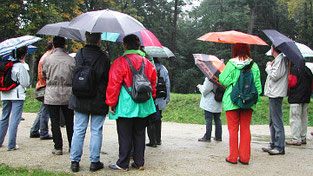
(112, 109)
(198, 86)
(269, 63)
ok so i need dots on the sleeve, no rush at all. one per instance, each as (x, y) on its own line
(277, 70)
(23, 76)
(226, 77)
(257, 78)
(167, 83)
(116, 77)
(153, 79)
(206, 88)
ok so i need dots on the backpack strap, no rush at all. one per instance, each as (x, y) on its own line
(248, 67)
(93, 62)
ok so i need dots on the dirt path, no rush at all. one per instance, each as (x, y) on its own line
(179, 154)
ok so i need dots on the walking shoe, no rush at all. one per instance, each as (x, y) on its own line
(116, 167)
(293, 143)
(75, 166)
(217, 139)
(15, 148)
(136, 167)
(230, 161)
(94, 166)
(276, 152)
(203, 140)
(244, 163)
(57, 152)
(34, 135)
(151, 145)
(22, 118)
(159, 143)
(303, 141)
(48, 137)
(266, 149)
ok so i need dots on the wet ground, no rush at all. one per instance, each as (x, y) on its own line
(179, 154)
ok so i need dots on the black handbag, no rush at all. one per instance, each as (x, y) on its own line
(39, 94)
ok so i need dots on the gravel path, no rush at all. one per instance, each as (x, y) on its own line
(179, 154)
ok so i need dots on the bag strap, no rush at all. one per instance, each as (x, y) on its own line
(248, 67)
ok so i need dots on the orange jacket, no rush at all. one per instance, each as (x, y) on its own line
(120, 71)
(41, 82)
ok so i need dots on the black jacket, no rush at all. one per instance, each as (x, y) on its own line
(95, 105)
(301, 92)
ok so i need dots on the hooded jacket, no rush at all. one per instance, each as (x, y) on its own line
(230, 76)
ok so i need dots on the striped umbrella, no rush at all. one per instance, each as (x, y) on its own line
(8, 45)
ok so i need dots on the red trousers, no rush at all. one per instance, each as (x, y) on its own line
(236, 118)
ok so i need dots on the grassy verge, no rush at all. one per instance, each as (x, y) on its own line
(10, 171)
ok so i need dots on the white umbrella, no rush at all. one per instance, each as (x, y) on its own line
(305, 50)
(155, 51)
(106, 21)
(8, 45)
(61, 29)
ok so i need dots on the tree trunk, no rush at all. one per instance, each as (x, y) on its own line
(251, 20)
(174, 33)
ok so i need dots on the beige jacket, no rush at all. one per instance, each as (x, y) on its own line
(276, 84)
(58, 70)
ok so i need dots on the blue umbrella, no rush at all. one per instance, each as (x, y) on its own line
(286, 46)
(13, 43)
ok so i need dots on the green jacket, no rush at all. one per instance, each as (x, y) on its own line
(230, 76)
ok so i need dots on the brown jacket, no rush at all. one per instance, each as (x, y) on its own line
(41, 82)
(58, 70)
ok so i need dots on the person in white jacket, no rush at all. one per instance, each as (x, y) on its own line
(212, 109)
(13, 100)
(275, 89)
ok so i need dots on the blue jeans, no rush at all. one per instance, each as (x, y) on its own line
(15, 109)
(218, 125)
(80, 127)
(41, 121)
(276, 124)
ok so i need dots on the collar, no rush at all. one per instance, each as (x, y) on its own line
(134, 52)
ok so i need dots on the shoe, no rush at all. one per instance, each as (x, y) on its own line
(136, 167)
(15, 148)
(217, 139)
(34, 135)
(266, 149)
(244, 163)
(230, 161)
(203, 140)
(151, 145)
(159, 143)
(311, 133)
(22, 118)
(303, 141)
(48, 137)
(276, 152)
(75, 166)
(116, 167)
(94, 166)
(293, 143)
(57, 152)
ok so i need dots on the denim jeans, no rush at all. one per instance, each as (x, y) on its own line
(41, 121)
(15, 109)
(276, 123)
(218, 125)
(80, 127)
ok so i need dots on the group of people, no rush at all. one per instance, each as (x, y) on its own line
(57, 72)
(283, 79)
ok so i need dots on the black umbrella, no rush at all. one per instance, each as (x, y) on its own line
(286, 46)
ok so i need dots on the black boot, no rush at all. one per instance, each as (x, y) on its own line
(94, 166)
(152, 135)
(158, 127)
(75, 166)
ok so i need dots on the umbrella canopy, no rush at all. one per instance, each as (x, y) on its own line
(147, 38)
(8, 45)
(210, 65)
(232, 37)
(154, 51)
(31, 49)
(286, 46)
(61, 29)
(106, 21)
(305, 50)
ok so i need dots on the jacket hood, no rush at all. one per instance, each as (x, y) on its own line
(239, 64)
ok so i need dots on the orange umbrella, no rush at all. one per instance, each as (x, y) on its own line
(232, 37)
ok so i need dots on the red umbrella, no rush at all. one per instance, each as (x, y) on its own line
(210, 65)
(146, 37)
(232, 37)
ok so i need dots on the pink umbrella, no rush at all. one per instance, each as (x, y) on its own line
(147, 38)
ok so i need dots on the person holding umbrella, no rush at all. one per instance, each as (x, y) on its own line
(239, 115)
(13, 100)
(276, 86)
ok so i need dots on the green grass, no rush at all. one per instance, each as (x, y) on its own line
(21, 171)
(184, 108)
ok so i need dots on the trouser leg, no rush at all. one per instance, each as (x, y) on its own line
(80, 127)
(139, 140)
(124, 131)
(96, 127)
(4, 121)
(245, 135)
(304, 120)
(44, 119)
(69, 118)
(54, 112)
(277, 125)
(16, 115)
(233, 126)
(218, 126)
(295, 121)
(208, 118)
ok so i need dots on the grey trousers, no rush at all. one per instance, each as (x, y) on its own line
(41, 122)
(276, 124)
(299, 121)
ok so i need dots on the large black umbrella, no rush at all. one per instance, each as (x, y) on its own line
(286, 46)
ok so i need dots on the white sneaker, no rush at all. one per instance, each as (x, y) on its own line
(15, 148)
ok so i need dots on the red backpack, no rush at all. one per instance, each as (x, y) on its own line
(6, 82)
